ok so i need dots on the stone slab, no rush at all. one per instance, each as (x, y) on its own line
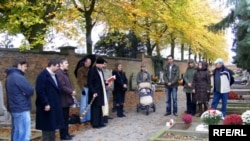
(191, 131)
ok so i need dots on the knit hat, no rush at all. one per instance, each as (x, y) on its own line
(219, 60)
(100, 60)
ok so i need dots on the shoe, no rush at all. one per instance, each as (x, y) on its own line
(99, 127)
(167, 114)
(110, 117)
(175, 114)
(66, 138)
(71, 136)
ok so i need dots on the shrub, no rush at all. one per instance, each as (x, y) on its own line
(187, 118)
(211, 117)
(246, 117)
(233, 119)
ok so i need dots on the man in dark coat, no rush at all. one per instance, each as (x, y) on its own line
(97, 90)
(49, 116)
(68, 93)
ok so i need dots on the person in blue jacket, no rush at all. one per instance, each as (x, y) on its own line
(19, 92)
(223, 80)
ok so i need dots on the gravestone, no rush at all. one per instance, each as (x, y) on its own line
(133, 83)
(4, 115)
(161, 80)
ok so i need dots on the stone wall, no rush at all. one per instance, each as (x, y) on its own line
(38, 61)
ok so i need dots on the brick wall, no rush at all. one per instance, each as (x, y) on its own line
(38, 61)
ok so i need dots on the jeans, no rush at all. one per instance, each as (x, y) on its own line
(191, 105)
(84, 104)
(21, 123)
(216, 99)
(64, 131)
(171, 93)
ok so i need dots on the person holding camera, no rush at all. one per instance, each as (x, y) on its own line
(120, 88)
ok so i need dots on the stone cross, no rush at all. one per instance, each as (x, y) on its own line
(4, 115)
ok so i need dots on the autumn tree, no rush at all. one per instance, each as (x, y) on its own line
(28, 17)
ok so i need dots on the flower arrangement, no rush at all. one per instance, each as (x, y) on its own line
(187, 118)
(154, 79)
(233, 119)
(211, 117)
(234, 96)
(246, 117)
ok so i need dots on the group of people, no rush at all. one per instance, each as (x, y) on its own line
(197, 86)
(55, 93)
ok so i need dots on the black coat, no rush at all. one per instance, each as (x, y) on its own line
(120, 80)
(48, 94)
(95, 86)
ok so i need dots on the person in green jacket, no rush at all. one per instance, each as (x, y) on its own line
(188, 78)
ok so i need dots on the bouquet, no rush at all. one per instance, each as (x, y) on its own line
(154, 79)
(233, 119)
(187, 118)
(211, 117)
(246, 117)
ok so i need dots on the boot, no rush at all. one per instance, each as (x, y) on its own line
(205, 107)
(105, 119)
(118, 111)
(122, 111)
(199, 110)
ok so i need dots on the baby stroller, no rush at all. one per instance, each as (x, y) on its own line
(145, 93)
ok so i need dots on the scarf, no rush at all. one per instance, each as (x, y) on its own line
(105, 108)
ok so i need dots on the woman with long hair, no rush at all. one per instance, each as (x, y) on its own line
(120, 88)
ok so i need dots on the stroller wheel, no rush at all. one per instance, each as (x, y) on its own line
(137, 108)
(147, 110)
(153, 107)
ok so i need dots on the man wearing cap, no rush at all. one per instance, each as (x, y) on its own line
(96, 84)
(223, 79)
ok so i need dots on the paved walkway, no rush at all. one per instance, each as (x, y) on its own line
(134, 127)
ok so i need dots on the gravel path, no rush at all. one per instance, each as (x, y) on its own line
(135, 126)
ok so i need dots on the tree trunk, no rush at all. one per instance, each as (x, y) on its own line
(36, 33)
(158, 51)
(89, 28)
(189, 53)
(172, 46)
(148, 45)
(182, 52)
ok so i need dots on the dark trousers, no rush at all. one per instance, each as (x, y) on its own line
(64, 131)
(114, 99)
(48, 135)
(120, 97)
(191, 105)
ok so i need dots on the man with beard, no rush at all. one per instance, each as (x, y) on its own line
(96, 84)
